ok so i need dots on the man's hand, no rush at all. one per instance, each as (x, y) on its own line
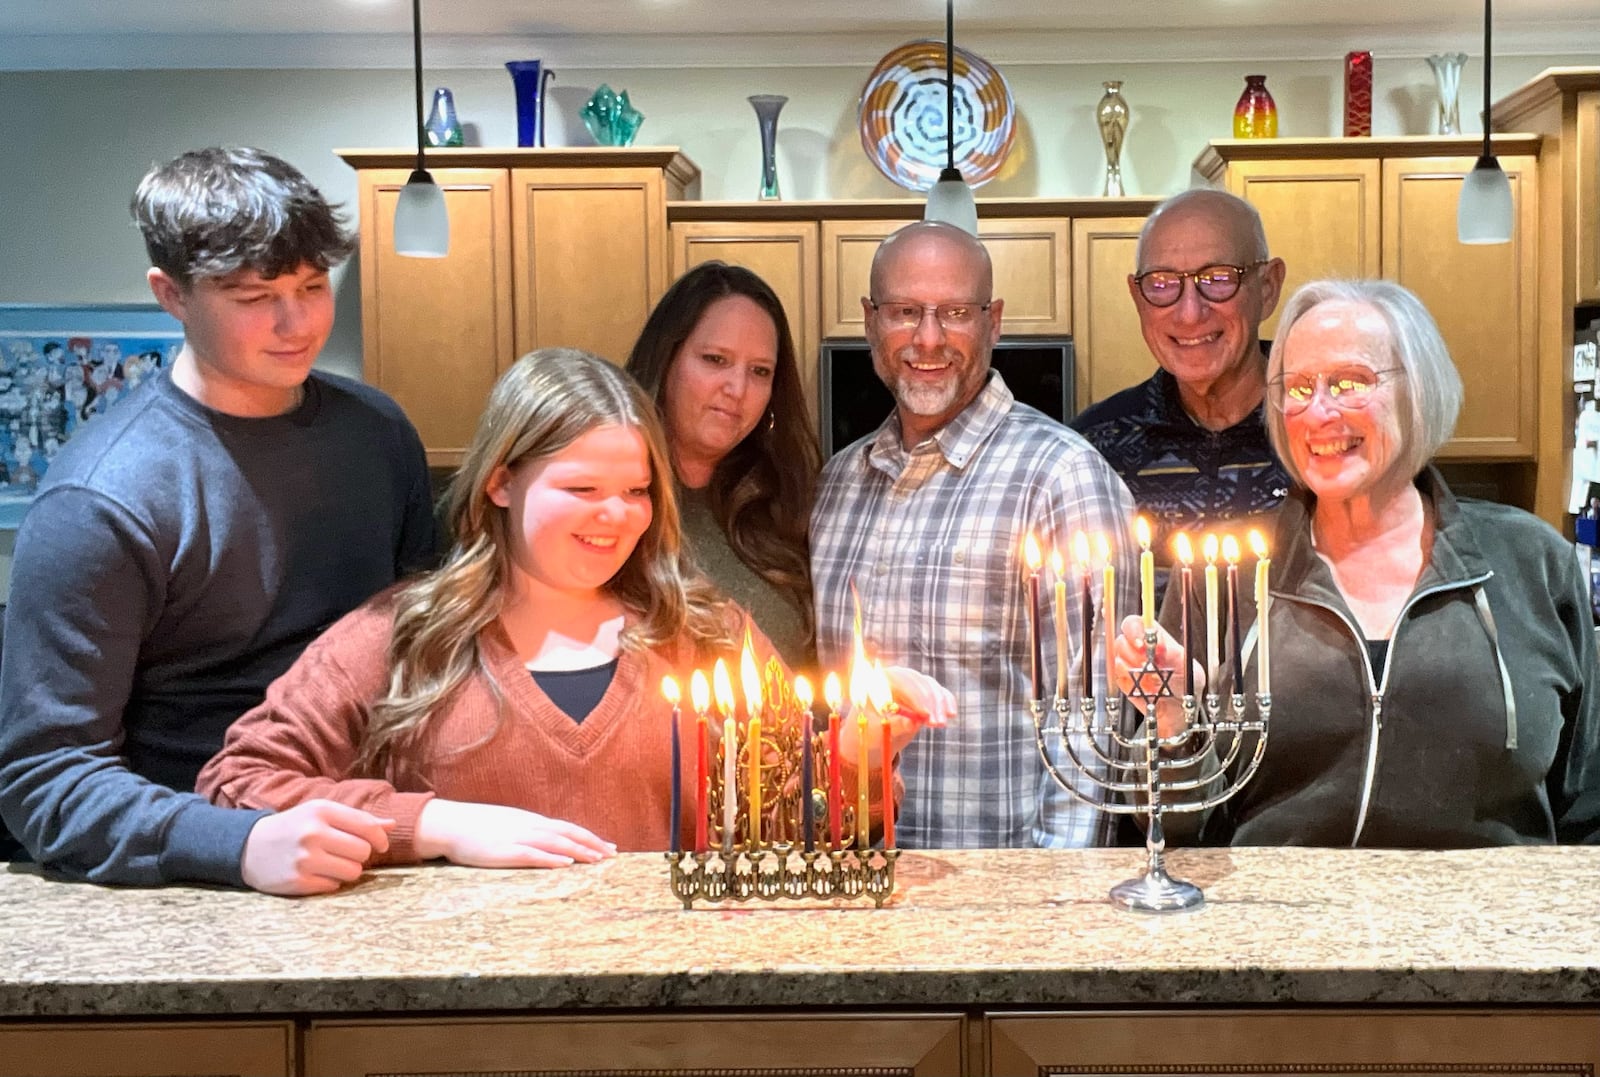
(313, 848)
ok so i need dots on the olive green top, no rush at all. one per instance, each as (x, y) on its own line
(770, 608)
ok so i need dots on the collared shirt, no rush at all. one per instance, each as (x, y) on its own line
(932, 539)
(1182, 475)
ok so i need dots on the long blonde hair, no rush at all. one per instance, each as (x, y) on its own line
(545, 402)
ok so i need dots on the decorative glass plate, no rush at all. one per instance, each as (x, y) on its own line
(903, 116)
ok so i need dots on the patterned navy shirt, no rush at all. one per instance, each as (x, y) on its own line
(1182, 475)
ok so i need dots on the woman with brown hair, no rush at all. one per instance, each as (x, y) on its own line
(718, 357)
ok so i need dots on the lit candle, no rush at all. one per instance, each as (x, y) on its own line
(834, 694)
(883, 703)
(1258, 546)
(669, 688)
(1230, 554)
(1213, 612)
(860, 690)
(808, 821)
(1147, 573)
(750, 680)
(1080, 554)
(1108, 598)
(730, 753)
(1186, 579)
(1059, 570)
(1035, 560)
(700, 696)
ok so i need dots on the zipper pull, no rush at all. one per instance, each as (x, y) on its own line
(1377, 709)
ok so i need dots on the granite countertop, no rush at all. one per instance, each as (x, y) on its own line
(1027, 927)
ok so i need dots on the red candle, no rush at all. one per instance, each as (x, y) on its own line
(834, 694)
(700, 695)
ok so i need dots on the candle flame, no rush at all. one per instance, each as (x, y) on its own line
(878, 691)
(1080, 550)
(802, 692)
(1058, 567)
(750, 676)
(1230, 550)
(722, 685)
(1103, 545)
(700, 691)
(669, 688)
(1211, 549)
(1184, 548)
(1258, 545)
(1031, 554)
(832, 692)
(1141, 531)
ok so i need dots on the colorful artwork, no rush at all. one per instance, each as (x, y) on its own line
(60, 368)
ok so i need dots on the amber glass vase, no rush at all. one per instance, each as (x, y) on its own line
(1256, 114)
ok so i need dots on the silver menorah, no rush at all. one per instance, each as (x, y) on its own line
(1131, 772)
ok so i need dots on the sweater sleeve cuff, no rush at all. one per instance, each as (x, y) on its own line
(405, 809)
(205, 844)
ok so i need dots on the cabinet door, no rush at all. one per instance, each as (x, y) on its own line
(782, 253)
(437, 332)
(1031, 272)
(1108, 347)
(257, 1049)
(1587, 203)
(1268, 1044)
(1321, 217)
(907, 1044)
(1482, 296)
(589, 255)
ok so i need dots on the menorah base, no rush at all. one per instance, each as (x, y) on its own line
(1156, 891)
(782, 872)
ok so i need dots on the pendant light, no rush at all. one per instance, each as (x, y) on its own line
(951, 199)
(1484, 213)
(421, 223)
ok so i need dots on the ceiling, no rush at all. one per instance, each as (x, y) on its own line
(359, 33)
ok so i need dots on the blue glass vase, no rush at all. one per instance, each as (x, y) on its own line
(443, 128)
(528, 78)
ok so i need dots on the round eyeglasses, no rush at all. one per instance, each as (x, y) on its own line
(1348, 388)
(1216, 283)
(895, 314)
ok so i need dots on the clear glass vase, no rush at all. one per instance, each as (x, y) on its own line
(767, 106)
(443, 128)
(1447, 75)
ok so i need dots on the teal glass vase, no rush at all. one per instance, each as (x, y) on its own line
(611, 117)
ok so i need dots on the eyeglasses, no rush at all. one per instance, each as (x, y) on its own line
(954, 317)
(1348, 388)
(1216, 284)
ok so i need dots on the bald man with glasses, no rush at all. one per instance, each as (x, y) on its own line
(1191, 441)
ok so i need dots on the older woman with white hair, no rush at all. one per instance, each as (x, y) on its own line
(1432, 657)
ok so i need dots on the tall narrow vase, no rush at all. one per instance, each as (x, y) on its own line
(1112, 116)
(527, 79)
(1447, 75)
(767, 106)
(1256, 114)
(1357, 93)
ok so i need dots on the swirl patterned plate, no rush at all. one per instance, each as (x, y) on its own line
(903, 116)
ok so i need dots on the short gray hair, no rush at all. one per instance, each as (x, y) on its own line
(1430, 391)
(1245, 220)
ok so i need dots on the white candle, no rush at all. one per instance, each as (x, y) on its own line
(1213, 609)
(730, 782)
(1258, 546)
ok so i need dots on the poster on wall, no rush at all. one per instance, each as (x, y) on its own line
(61, 367)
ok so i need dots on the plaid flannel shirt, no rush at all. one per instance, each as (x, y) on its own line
(932, 539)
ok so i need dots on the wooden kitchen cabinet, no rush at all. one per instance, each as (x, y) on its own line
(212, 1049)
(1109, 349)
(1387, 208)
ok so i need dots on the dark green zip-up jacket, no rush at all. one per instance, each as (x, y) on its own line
(1484, 728)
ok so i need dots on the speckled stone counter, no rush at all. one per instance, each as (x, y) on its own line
(1506, 926)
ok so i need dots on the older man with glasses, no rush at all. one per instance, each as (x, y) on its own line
(1191, 441)
(924, 520)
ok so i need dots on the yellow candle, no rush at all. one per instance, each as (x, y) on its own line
(1258, 546)
(722, 688)
(1108, 597)
(1213, 609)
(863, 784)
(1060, 570)
(1147, 574)
(750, 678)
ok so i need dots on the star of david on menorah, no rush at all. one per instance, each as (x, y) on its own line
(1142, 772)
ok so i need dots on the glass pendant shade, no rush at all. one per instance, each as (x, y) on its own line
(421, 224)
(1484, 213)
(951, 201)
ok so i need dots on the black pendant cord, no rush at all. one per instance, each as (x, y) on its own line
(950, 84)
(1488, 22)
(416, 67)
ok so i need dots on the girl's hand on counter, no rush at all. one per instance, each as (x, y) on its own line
(313, 848)
(495, 836)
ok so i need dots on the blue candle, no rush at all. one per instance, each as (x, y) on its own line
(669, 688)
(808, 821)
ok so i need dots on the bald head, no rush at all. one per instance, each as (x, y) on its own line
(932, 241)
(1212, 208)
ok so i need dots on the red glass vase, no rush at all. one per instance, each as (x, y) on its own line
(1357, 94)
(1256, 114)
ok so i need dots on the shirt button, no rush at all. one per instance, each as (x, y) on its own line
(883, 568)
(961, 557)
